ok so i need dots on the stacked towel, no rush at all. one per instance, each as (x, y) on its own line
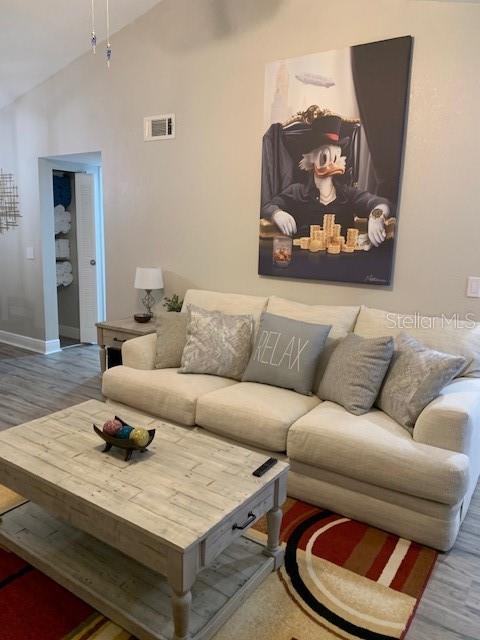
(63, 219)
(64, 274)
(62, 248)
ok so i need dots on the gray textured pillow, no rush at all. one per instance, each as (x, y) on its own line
(416, 376)
(355, 372)
(217, 343)
(171, 338)
(286, 352)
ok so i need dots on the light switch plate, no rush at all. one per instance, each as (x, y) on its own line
(473, 287)
(30, 253)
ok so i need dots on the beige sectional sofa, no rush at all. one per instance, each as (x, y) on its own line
(365, 467)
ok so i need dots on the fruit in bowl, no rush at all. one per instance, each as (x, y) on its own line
(116, 432)
(139, 437)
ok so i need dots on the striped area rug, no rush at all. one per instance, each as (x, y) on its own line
(353, 580)
(341, 579)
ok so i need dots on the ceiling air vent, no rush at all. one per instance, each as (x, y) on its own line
(159, 127)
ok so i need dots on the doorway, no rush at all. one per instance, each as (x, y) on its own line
(73, 247)
(66, 257)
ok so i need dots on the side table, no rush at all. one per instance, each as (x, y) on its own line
(113, 333)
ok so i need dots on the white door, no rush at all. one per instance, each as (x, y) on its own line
(87, 255)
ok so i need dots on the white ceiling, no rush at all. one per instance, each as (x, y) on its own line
(40, 37)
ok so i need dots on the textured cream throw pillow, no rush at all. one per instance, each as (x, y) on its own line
(416, 376)
(217, 343)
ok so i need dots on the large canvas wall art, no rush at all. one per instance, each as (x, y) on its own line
(331, 163)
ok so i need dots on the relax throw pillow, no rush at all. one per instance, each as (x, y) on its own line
(286, 352)
(355, 372)
(217, 343)
(416, 376)
(171, 338)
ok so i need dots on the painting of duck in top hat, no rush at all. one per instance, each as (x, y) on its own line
(331, 173)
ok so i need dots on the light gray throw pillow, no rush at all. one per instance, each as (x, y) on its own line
(355, 372)
(416, 376)
(217, 343)
(171, 338)
(286, 353)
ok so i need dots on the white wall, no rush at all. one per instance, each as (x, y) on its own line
(191, 205)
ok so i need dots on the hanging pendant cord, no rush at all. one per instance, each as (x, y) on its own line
(109, 46)
(93, 37)
(108, 23)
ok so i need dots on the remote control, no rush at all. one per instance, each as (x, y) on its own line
(262, 469)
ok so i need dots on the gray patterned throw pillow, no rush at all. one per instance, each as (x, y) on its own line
(286, 353)
(217, 343)
(416, 376)
(355, 372)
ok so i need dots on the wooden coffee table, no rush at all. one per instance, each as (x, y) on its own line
(119, 533)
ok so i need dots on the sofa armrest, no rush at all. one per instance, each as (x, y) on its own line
(452, 421)
(139, 353)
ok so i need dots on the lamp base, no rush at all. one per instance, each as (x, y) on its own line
(142, 317)
(148, 301)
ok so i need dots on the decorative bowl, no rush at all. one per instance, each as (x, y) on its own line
(142, 317)
(123, 443)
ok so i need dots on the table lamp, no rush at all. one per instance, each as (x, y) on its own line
(148, 279)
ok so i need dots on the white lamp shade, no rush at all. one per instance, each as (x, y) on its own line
(148, 278)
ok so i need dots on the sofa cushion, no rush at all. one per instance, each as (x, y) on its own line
(231, 303)
(342, 319)
(161, 392)
(256, 414)
(375, 449)
(458, 337)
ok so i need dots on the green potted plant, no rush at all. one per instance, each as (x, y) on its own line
(173, 303)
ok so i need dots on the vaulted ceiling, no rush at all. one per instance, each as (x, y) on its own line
(40, 37)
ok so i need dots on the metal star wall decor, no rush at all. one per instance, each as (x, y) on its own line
(9, 208)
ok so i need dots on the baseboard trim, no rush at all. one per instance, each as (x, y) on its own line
(69, 332)
(30, 344)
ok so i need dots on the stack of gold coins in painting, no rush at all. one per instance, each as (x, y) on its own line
(352, 239)
(330, 239)
(304, 243)
(328, 223)
(317, 240)
(316, 245)
(334, 247)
